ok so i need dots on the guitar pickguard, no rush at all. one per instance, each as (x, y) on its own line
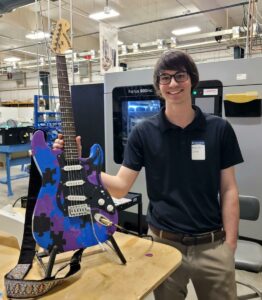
(67, 206)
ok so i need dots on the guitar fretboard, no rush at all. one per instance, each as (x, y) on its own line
(67, 120)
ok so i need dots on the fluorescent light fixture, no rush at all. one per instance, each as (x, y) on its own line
(187, 30)
(119, 43)
(108, 13)
(12, 59)
(37, 35)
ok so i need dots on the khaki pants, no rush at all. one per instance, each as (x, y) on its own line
(210, 267)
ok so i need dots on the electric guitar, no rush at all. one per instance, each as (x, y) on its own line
(72, 200)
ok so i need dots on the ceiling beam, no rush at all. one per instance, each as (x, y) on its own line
(218, 17)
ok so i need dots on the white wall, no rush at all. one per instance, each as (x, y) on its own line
(19, 114)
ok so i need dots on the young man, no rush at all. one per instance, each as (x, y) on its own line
(189, 160)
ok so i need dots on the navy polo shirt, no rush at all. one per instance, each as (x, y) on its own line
(182, 167)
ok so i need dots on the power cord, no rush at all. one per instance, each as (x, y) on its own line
(107, 222)
(23, 201)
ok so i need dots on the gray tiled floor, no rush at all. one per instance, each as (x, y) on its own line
(20, 187)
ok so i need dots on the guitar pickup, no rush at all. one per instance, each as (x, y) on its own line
(76, 198)
(72, 168)
(74, 183)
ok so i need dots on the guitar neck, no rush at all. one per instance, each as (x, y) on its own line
(67, 119)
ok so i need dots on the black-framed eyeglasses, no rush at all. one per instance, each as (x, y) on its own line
(166, 78)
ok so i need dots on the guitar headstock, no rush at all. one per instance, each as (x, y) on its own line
(60, 40)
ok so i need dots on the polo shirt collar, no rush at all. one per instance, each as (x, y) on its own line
(199, 121)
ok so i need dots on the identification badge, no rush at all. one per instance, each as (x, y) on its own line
(198, 150)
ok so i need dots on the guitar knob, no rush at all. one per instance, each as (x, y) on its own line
(110, 208)
(101, 201)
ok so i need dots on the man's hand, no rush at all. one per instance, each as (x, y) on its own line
(59, 143)
(79, 146)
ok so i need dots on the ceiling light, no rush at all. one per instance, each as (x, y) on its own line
(37, 35)
(12, 59)
(107, 13)
(119, 43)
(187, 30)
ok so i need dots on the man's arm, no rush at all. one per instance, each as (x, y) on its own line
(120, 184)
(230, 205)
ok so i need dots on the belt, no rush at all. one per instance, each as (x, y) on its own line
(190, 240)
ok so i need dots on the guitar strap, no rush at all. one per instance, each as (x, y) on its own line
(15, 284)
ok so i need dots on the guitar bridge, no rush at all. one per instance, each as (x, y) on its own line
(78, 210)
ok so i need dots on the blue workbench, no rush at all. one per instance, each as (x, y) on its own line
(7, 150)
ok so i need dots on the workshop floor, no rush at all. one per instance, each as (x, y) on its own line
(20, 187)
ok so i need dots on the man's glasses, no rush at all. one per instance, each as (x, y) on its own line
(165, 78)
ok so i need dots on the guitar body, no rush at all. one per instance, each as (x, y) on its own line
(71, 200)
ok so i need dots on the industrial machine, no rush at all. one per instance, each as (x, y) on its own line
(15, 135)
(136, 86)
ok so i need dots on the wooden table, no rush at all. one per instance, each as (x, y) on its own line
(102, 276)
(7, 150)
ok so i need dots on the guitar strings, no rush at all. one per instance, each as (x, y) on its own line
(64, 107)
(72, 143)
(71, 152)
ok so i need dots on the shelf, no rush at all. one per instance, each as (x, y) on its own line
(17, 104)
(48, 113)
